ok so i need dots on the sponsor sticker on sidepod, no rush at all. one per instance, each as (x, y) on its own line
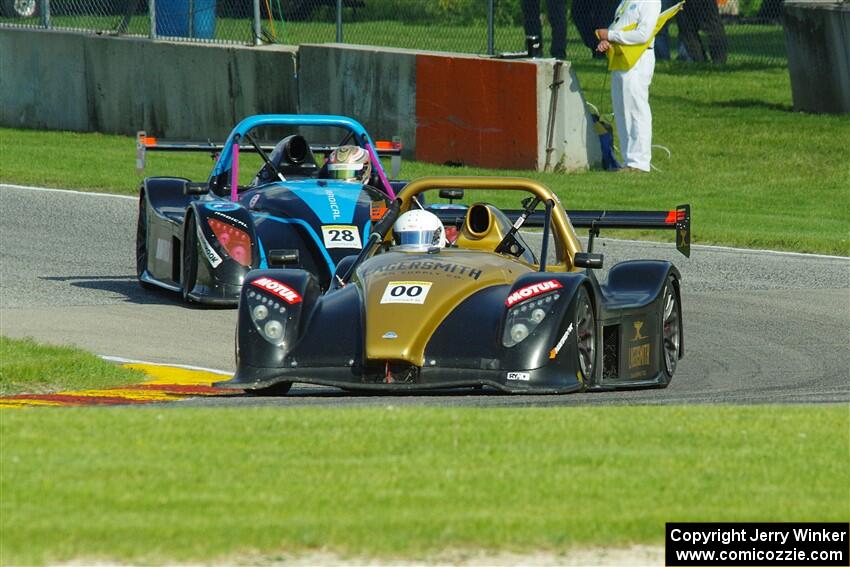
(212, 257)
(406, 292)
(281, 290)
(532, 290)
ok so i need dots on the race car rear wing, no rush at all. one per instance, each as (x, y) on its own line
(145, 143)
(678, 219)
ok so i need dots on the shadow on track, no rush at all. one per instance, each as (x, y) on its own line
(131, 289)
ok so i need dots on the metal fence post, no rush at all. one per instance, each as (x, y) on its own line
(45, 14)
(491, 27)
(257, 29)
(152, 18)
(339, 21)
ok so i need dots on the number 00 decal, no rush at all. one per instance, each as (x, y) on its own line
(406, 292)
(341, 236)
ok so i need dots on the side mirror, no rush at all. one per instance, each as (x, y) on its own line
(191, 188)
(451, 194)
(283, 258)
(589, 261)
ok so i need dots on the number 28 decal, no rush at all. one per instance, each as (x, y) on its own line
(341, 236)
(406, 292)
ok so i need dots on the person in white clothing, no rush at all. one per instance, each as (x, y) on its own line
(630, 89)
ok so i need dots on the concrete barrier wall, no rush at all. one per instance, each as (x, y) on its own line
(817, 34)
(375, 86)
(72, 81)
(575, 144)
(445, 107)
(476, 111)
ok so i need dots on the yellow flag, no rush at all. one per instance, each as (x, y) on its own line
(623, 57)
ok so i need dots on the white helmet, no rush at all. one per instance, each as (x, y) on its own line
(420, 230)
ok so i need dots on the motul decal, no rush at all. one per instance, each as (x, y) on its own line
(532, 290)
(281, 290)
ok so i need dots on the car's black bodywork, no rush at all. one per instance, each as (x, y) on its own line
(201, 239)
(624, 333)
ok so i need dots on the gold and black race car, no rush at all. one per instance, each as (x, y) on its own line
(489, 309)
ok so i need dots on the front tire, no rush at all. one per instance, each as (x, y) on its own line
(671, 328)
(142, 243)
(585, 329)
(189, 260)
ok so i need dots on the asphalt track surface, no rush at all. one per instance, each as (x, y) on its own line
(760, 327)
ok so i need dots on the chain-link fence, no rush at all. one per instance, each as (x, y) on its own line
(707, 30)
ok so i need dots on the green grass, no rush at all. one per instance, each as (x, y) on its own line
(29, 367)
(164, 485)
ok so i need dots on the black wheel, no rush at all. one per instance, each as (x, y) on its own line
(189, 260)
(20, 8)
(279, 389)
(671, 327)
(142, 243)
(585, 329)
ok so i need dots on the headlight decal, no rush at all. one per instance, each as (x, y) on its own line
(524, 318)
(235, 241)
(269, 316)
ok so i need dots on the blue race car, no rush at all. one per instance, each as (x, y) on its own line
(309, 206)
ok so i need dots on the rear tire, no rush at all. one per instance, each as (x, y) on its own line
(671, 328)
(585, 330)
(189, 260)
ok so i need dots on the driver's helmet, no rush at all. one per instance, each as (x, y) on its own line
(419, 229)
(350, 163)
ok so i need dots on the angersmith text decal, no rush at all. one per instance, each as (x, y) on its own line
(532, 290)
(281, 290)
(430, 265)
